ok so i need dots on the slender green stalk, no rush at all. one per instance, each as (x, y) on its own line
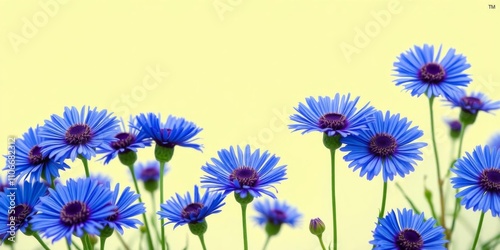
(436, 156)
(384, 197)
(103, 242)
(244, 222)
(85, 165)
(266, 243)
(37, 237)
(202, 241)
(417, 211)
(456, 209)
(162, 169)
(153, 218)
(478, 231)
(124, 244)
(86, 242)
(11, 246)
(74, 244)
(320, 238)
(334, 206)
(148, 232)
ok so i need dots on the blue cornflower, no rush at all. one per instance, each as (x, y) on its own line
(494, 141)
(331, 116)
(243, 172)
(77, 133)
(276, 212)
(479, 176)
(191, 210)
(126, 140)
(423, 72)
(81, 206)
(407, 230)
(31, 161)
(125, 210)
(472, 103)
(174, 132)
(26, 196)
(388, 144)
(149, 171)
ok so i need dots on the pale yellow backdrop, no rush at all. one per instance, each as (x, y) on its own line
(237, 68)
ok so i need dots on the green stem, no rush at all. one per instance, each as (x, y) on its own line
(417, 211)
(320, 237)
(456, 209)
(384, 196)
(85, 166)
(266, 243)
(153, 217)
(74, 244)
(244, 222)
(334, 206)
(103, 242)
(162, 169)
(85, 242)
(202, 240)
(37, 237)
(436, 156)
(148, 232)
(478, 231)
(124, 244)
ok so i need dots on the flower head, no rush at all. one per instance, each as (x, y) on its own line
(126, 140)
(77, 133)
(81, 206)
(455, 128)
(494, 141)
(174, 132)
(276, 212)
(191, 209)
(331, 116)
(407, 230)
(124, 210)
(388, 144)
(31, 162)
(423, 72)
(472, 103)
(243, 172)
(18, 217)
(478, 174)
(148, 171)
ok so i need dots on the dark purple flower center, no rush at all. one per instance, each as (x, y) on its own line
(471, 104)
(78, 134)
(278, 216)
(124, 140)
(432, 73)
(191, 211)
(21, 212)
(246, 176)
(114, 216)
(165, 135)
(383, 145)
(149, 174)
(74, 213)
(489, 180)
(35, 155)
(409, 239)
(334, 121)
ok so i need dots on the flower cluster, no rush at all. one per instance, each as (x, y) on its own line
(375, 142)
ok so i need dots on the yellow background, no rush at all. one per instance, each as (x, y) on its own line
(238, 71)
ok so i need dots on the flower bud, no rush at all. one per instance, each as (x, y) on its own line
(316, 226)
